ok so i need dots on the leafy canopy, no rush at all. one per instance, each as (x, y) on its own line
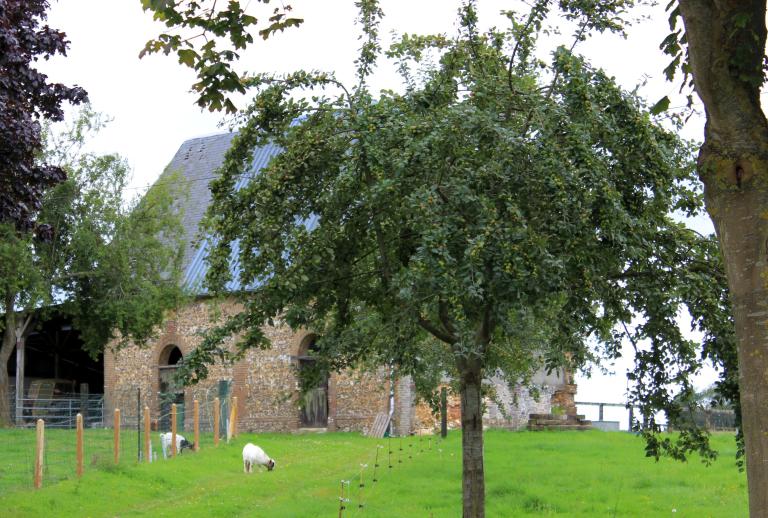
(501, 211)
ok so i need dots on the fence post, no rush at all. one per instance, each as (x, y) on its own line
(147, 452)
(216, 407)
(173, 430)
(443, 412)
(138, 425)
(360, 504)
(196, 418)
(117, 435)
(600, 418)
(84, 401)
(235, 411)
(79, 445)
(39, 453)
(232, 416)
(341, 501)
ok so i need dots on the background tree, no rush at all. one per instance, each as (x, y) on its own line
(506, 210)
(110, 265)
(26, 97)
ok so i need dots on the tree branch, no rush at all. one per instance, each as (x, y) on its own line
(436, 331)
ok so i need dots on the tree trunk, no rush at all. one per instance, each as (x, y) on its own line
(473, 475)
(6, 348)
(743, 233)
(726, 60)
(5, 401)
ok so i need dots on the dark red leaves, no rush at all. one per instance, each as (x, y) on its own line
(26, 96)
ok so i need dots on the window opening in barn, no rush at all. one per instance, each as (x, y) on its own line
(170, 392)
(314, 401)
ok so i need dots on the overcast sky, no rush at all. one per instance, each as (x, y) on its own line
(154, 112)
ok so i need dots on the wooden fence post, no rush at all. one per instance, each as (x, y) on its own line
(196, 419)
(117, 435)
(216, 407)
(79, 448)
(147, 452)
(173, 430)
(234, 418)
(39, 453)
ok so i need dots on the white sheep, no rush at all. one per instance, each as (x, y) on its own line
(181, 443)
(255, 456)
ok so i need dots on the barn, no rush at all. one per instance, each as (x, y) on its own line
(266, 381)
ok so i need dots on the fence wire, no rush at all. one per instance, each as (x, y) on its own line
(17, 464)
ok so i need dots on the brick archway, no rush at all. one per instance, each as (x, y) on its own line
(169, 350)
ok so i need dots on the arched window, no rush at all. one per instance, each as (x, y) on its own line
(169, 361)
(169, 392)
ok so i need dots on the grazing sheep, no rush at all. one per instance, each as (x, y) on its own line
(253, 455)
(181, 443)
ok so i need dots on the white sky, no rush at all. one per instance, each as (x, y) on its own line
(154, 112)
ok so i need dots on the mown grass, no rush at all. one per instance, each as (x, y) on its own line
(527, 474)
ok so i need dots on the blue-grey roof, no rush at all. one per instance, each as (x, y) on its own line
(197, 161)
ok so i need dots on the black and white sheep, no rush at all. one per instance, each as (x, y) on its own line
(181, 443)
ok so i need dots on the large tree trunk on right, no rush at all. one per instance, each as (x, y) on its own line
(744, 238)
(473, 475)
(733, 164)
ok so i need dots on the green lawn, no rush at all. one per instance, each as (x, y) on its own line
(527, 474)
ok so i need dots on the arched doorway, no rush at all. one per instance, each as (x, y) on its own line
(169, 392)
(313, 412)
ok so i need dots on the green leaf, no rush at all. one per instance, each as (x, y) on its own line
(188, 57)
(661, 105)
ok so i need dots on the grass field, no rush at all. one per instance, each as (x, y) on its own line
(527, 474)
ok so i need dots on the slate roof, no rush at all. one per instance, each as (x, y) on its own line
(197, 161)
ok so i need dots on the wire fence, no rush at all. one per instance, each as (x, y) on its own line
(126, 435)
(367, 479)
(390, 454)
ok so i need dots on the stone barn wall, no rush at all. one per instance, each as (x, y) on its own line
(510, 408)
(264, 381)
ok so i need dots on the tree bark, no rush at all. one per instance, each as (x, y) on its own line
(473, 476)
(733, 164)
(6, 348)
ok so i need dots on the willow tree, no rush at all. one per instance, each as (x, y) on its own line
(109, 264)
(508, 211)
